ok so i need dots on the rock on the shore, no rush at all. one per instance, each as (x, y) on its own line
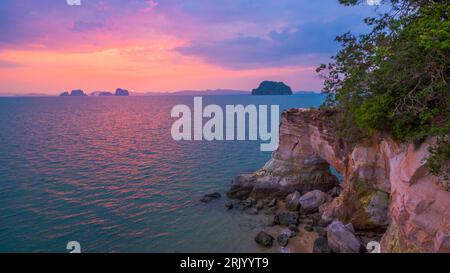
(286, 218)
(311, 201)
(264, 239)
(292, 201)
(209, 197)
(321, 245)
(342, 239)
(283, 240)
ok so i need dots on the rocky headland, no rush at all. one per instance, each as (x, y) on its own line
(387, 195)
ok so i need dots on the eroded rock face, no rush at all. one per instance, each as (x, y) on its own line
(386, 184)
(295, 166)
(420, 206)
(279, 178)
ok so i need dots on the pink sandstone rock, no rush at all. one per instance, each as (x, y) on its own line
(386, 184)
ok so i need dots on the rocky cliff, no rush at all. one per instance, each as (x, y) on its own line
(386, 187)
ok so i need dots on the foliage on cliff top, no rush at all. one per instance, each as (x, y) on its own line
(395, 78)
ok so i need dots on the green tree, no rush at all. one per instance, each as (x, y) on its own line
(394, 79)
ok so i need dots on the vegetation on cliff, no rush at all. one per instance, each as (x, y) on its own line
(395, 78)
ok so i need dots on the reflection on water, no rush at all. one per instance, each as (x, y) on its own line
(105, 171)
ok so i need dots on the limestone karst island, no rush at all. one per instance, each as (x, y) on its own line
(272, 88)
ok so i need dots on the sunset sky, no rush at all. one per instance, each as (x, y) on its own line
(47, 46)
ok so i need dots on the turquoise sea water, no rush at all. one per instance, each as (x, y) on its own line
(104, 171)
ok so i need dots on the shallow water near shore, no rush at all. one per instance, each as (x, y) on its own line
(104, 171)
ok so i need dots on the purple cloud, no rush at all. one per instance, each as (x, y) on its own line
(308, 44)
(229, 33)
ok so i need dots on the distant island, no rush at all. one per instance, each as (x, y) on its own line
(74, 93)
(80, 93)
(272, 88)
(122, 92)
(101, 94)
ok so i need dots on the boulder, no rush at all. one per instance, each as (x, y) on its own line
(292, 201)
(311, 201)
(286, 218)
(264, 239)
(293, 228)
(321, 245)
(283, 240)
(342, 239)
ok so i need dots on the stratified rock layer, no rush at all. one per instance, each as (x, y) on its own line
(295, 166)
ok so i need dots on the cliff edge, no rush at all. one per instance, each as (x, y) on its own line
(386, 185)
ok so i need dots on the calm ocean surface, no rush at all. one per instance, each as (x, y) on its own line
(104, 171)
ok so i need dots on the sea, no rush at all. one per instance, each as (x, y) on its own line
(105, 172)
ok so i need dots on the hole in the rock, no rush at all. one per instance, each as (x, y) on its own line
(339, 176)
